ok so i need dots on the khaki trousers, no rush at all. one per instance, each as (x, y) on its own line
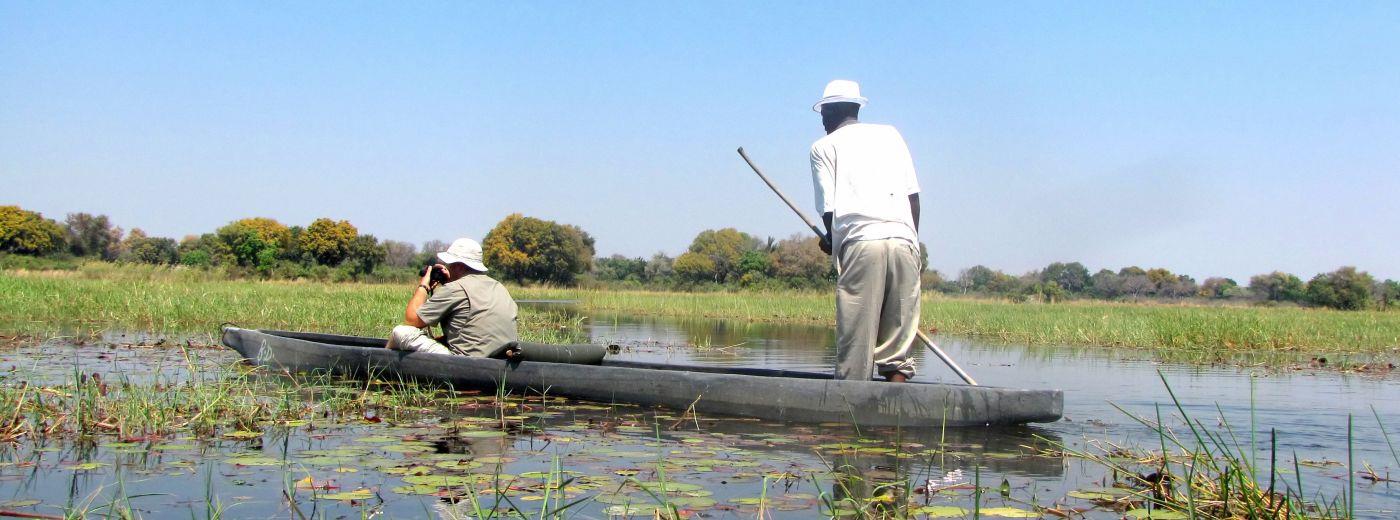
(877, 308)
(410, 338)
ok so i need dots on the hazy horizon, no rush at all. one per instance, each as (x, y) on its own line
(1212, 140)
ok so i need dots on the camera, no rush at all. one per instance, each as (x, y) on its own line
(438, 277)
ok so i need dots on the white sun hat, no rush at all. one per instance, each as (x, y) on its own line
(840, 91)
(463, 251)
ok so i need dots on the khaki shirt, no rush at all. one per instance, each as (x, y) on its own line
(477, 315)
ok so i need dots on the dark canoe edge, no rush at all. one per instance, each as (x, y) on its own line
(766, 394)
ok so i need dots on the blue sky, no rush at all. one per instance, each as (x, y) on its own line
(1211, 139)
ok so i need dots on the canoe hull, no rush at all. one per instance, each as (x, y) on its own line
(809, 399)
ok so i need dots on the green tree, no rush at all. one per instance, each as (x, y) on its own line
(327, 241)
(1071, 277)
(725, 248)
(151, 250)
(1388, 293)
(204, 251)
(1346, 288)
(620, 268)
(364, 254)
(1218, 288)
(696, 267)
(755, 262)
(659, 267)
(92, 236)
(255, 242)
(1105, 284)
(527, 248)
(28, 233)
(1277, 286)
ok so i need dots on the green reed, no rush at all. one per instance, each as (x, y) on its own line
(175, 300)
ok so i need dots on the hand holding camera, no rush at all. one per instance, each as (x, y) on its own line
(434, 275)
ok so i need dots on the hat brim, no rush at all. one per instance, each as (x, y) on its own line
(449, 258)
(839, 99)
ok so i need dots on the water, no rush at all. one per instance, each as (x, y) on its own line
(723, 466)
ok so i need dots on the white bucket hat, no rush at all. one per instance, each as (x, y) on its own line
(463, 251)
(840, 91)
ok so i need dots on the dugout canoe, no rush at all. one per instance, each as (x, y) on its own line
(781, 395)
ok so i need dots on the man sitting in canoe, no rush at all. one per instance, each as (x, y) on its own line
(477, 315)
(868, 195)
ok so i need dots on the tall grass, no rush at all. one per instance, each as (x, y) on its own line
(136, 298)
(1097, 323)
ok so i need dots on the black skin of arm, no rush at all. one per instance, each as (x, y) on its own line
(826, 220)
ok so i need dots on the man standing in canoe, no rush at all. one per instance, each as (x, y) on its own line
(868, 196)
(477, 315)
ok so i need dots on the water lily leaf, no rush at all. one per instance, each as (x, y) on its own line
(459, 464)
(242, 435)
(1157, 514)
(1009, 512)
(1109, 494)
(358, 494)
(941, 512)
(253, 461)
(417, 489)
(693, 502)
(669, 487)
(631, 510)
(86, 466)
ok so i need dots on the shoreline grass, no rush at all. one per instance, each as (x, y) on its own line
(170, 301)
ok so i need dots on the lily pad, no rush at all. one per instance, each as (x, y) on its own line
(941, 512)
(358, 494)
(1009, 512)
(1109, 494)
(253, 461)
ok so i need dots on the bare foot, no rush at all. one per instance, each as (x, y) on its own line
(896, 377)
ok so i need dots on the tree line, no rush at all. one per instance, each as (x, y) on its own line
(532, 250)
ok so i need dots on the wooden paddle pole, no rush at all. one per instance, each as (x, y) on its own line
(822, 235)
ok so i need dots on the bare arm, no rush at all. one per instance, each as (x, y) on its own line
(420, 295)
(826, 240)
(913, 210)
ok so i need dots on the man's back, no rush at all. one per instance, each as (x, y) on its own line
(864, 176)
(477, 314)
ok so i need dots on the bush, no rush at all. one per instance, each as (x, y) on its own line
(1344, 289)
(28, 233)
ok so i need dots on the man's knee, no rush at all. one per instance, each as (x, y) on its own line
(402, 335)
